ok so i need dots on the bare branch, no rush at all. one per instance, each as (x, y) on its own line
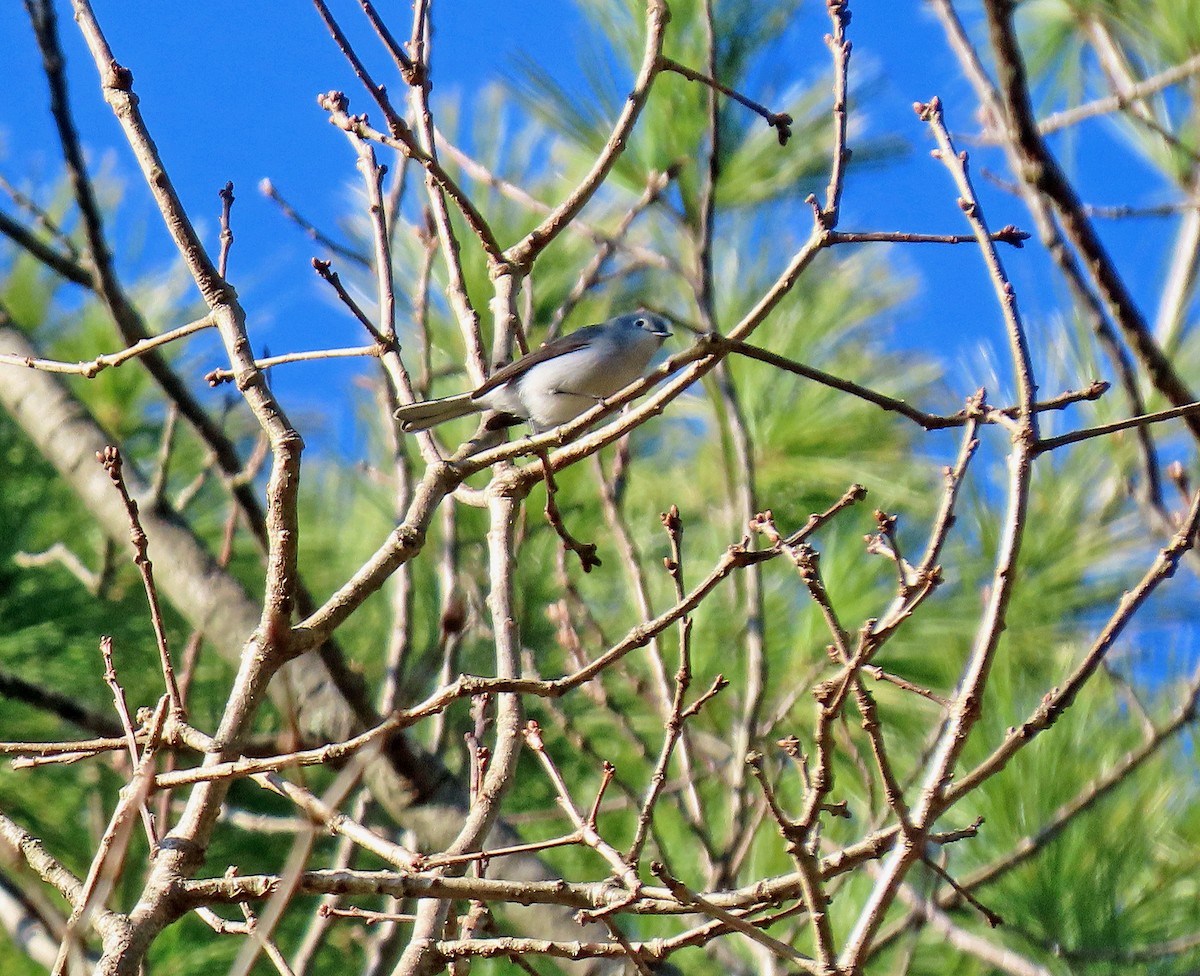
(1137, 92)
(111, 460)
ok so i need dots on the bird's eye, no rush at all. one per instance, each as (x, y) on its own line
(640, 324)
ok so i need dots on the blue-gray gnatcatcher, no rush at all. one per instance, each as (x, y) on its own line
(557, 382)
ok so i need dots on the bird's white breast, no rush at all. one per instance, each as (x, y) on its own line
(560, 389)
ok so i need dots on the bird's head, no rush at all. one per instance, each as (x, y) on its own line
(644, 321)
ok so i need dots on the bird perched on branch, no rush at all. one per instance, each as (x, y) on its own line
(557, 382)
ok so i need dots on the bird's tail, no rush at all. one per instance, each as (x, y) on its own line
(430, 413)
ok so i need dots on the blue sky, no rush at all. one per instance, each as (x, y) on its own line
(229, 90)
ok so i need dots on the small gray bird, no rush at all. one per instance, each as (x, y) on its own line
(557, 382)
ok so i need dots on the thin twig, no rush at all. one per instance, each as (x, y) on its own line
(459, 300)
(1136, 92)
(673, 726)
(586, 551)
(1005, 235)
(586, 830)
(337, 105)
(67, 266)
(997, 956)
(1075, 436)
(59, 554)
(839, 47)
(218, 376)
(689, 897)
(131, 737)
(964, 711)
(1061, 698)
(1042, 171)
(111, 459)
(42, 218)
(91, 367)
(781, 122)
(267, 189)
(524, 252)
(589, 277)
(226, 195)
(610, 503)
(116, 84)
(110, 853)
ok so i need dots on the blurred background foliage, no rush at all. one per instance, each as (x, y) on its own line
(1119, 876)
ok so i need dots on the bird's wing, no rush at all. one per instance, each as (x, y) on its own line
(551, 350)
